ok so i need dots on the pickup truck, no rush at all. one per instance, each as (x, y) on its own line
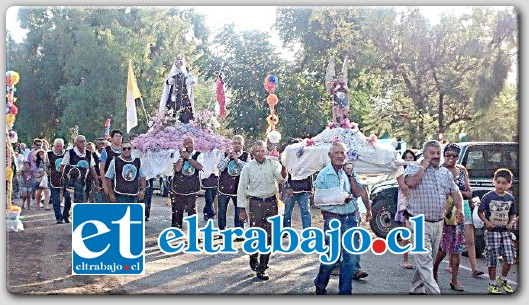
(481, 159)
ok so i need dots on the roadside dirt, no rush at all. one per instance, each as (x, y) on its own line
(39, 259)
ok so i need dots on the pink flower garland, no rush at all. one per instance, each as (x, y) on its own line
(161, 137)
(344, 124)
(372, 139)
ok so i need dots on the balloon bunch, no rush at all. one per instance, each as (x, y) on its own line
(107, 129)
(12, 79)
(273, 135)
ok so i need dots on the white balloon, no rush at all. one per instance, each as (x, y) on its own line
(274, 137)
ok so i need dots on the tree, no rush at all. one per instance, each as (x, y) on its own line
(444, 68)
(423, 79)
(245, 58)
(499, 122)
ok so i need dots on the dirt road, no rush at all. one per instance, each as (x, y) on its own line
(39, 262)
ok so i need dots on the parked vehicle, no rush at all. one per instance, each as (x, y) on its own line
(481, 159)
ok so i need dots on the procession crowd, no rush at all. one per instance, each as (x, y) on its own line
(106, 172)
(256, 182)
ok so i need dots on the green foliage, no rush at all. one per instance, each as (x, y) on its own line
(499, 122)
(246, 58)
(407, 77)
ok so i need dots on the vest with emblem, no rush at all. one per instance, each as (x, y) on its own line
(229, 177)
(77, 170)
(127, 176)
(187, 180)
(55, 165)
(110, 156)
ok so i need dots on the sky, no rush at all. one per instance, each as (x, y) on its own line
(250, 18)
(244, 17)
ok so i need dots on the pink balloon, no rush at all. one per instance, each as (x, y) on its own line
(269, 86)
(13, 109)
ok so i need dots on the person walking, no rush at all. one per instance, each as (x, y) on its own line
(56, 156)
(230, 168)
(453, 240)
(343, 208)
(107, 154)
(75, 165)
(257, 191)
(209, 180)
(185, 183)
(400, 218)
(429, 185)
(498, 211)
(125, 178)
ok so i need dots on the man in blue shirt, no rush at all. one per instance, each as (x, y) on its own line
(334, 176)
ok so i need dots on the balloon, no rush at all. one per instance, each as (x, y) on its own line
(13, 136)
(272, 100)
(272, 120)
(8, 81)
(13, 109)
(10, 98)
(274, 137)
(273, 79)
(10, 120)
(269, 86)
(14, 78)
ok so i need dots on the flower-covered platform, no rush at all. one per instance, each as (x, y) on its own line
(372, 163)
(166, 136)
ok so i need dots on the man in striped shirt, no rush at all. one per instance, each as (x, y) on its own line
(429, 184)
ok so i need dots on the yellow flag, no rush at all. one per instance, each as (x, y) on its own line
(132, 94)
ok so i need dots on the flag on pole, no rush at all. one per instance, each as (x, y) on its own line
(107, 129)
(221, 99)
(132, 94)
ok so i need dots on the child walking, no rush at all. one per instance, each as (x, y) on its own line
(26, 184)
(498, 211)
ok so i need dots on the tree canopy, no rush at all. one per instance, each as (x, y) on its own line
(407, 76)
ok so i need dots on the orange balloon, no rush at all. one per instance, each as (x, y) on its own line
(272, 100)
